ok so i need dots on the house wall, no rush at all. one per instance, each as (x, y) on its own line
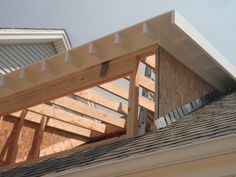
(178, 84)
(16, 56)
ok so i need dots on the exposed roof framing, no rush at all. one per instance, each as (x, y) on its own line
(210, 131)
(67, 84)
(70, 114)
(170, 30)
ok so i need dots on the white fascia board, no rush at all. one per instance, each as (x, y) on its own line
(182, 24)
(13, 36)
(158, 159)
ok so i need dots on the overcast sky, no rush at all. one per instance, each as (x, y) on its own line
(86, 20)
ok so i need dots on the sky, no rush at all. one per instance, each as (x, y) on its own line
(86, 20)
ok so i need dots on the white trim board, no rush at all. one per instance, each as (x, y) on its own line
(24, 36)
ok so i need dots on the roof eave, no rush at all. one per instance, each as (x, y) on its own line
(159, 159)
(19, 36)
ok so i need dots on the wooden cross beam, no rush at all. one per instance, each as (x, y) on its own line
(35, 149)
(64, 86)
(103, 100)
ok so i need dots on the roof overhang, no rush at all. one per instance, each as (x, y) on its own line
(184, 42)
(169, 30)
(163, 161)
(24, 36)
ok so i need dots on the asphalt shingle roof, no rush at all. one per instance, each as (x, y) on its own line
(213, 120)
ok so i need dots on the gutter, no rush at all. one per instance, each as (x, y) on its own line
(159, 159)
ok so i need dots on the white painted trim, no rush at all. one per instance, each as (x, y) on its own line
(158, 159)
(13, 36)
(182, 24)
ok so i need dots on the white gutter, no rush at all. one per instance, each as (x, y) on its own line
(163, 158)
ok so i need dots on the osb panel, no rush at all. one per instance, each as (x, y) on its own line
(25, 141)
(178, 84)
(5, 133)
(51, 136)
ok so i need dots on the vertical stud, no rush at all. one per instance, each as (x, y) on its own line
(133, 102)
(157, 88)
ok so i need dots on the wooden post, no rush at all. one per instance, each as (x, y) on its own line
(14, 146)
(39, 138)
(133, 102)
(1, 127)
(157, 88)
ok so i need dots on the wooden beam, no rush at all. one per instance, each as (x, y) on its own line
(103, 100)
(39, 138)
(89, 111)
(157, 90)
(146, 83)
(157, 85)
(1, 120)
(76, 149)
(132, 120)
(61, 146)
(14, 146)
(58, 124)
(122, 92)
(56, 148)
(63, 86)
(68, 117)
(150, 61)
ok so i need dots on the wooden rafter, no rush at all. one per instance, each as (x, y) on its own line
(58, 124)
(72, 116)
(150, 61)
(13, 147)
(68, 117)
(122, 92)
(39, 138)
(103, 100)
(89, 111)
(146, 83)
(61, 146)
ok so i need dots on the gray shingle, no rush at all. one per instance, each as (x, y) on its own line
(213, 120)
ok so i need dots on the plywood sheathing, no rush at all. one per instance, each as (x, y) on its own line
(178, 84)
(50, 137)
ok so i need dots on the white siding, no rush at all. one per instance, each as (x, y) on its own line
(16, 56)
(60, 46)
